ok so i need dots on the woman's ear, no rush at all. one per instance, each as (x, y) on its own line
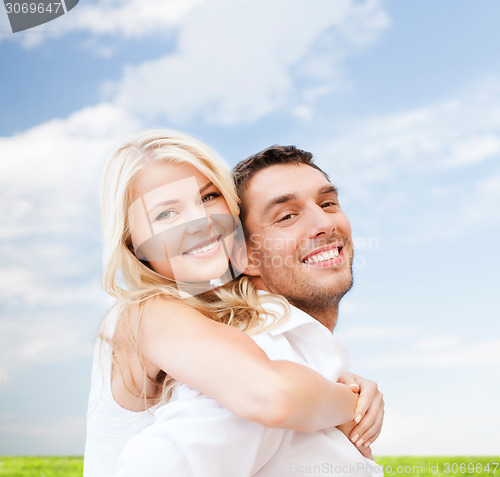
(238, 256)
(252, 262)
(241, 260)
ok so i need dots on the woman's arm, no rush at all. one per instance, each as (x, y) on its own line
(226, 364)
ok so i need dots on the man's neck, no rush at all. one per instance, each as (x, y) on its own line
(327, 315)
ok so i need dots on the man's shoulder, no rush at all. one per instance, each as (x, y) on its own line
(301, 338)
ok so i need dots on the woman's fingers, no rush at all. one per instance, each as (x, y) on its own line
(369, 436)
(368, 393)
(350, 380)
(370, 441)
(369, 412)
(370, 423)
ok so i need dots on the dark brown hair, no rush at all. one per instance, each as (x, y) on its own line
(246, 169)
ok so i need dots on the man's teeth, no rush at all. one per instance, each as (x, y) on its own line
(321, 257)
(205, 248)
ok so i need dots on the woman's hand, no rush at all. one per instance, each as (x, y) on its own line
(346, 429)
(369, 412)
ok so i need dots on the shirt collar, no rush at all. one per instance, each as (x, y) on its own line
(296, 317)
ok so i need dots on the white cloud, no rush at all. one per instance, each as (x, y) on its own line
(436, 411)
(482, 354)
(132, 19)
(49, 173)
(253, 64)
(258, 58)
(435, 343)
(430, 170)
(66, 425)
(361, 333)
(49, 313)
(42, 338)
(41, 285)
(4, 23)
(484, 207)
(305, 113)
(464, 429)
(452, 134)
(65, 433)
(50, 178)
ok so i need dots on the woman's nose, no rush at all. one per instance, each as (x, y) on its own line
(197, 220)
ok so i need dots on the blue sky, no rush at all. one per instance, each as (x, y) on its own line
(399, 102)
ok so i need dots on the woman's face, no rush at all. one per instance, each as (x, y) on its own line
(180, 223)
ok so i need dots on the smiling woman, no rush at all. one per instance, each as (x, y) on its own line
(181, 224)
(175, 250)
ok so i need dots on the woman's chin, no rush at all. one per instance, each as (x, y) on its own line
(205, 283)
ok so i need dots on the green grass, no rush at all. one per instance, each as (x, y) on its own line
(393, 466)
(41, 466)
(440, 466)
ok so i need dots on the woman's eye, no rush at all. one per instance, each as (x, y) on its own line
(209, 197)
(166, 214)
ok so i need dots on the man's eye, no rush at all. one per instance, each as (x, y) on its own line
(329, 204)
(166, 214)
(209, 197)
(286, 217)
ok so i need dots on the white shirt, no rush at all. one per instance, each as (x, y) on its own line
(196, 437)
(109, 426)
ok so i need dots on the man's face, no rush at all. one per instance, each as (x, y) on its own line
(299, 240)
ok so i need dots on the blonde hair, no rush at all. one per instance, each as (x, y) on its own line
(130, 281)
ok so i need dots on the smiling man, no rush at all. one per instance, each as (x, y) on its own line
(298, 237)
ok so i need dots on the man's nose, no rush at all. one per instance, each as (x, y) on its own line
(319, 222)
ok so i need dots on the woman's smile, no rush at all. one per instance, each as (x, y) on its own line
(205, 249)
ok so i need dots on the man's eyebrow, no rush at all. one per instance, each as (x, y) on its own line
(175, 201)
(278, 200)
(328, 189)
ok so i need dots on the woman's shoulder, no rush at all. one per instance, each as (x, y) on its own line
(161, 311)
(159, 305)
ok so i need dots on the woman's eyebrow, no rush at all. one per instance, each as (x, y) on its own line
(162, 204)
(206, 186)
(175, 201)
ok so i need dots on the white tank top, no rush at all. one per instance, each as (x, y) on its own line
(109, 426)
